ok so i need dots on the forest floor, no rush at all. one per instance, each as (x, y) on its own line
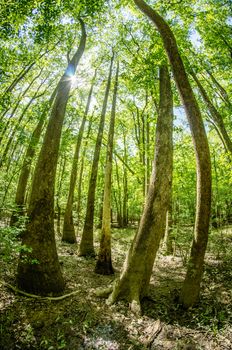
(84, 321)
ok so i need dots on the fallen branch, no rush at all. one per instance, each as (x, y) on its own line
(18, 291)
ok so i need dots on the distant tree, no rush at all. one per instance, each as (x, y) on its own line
(68, 226)
(86, 244)
(104, 262)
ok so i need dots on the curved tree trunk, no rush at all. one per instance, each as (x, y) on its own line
(86, 244)
(191, 288)
(134, 280)
(104, 263)
(68, 227)
(39, 270)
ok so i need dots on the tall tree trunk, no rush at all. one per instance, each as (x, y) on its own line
(44, 275)
(168, 240)
(59, 186)
(27, 162)
(119, 206)
(86, 244)
(68, 227)
(215, 115)
(191, 288)
(104, 263)
(125, 186)
(134, 280)
(80, 183)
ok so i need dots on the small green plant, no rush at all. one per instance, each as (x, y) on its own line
(10, 242)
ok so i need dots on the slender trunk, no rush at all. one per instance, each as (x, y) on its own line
(16, 105)
(26, 167)
(13, 176)
(18, 124)
(80, 184)
(86, 244)
(119, 211)
(39, 269)
(125, 187)
(104, 263)
(215, 115)
(168, 240)
(68, 227)
(221, 89)
(134, 280)
(24, 72)
(60, 180)
(20, 76)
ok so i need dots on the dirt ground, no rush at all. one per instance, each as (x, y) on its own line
(84, 321)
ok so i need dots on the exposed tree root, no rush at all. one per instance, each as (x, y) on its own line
(103, 292)
(135, 307)
(18, 291)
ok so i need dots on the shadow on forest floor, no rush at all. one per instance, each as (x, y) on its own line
(84, 321)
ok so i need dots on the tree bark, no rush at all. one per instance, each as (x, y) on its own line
(39, 270)
(68, 227)
(191, 287)
(86, 244)
(104, 262)
(134, 280)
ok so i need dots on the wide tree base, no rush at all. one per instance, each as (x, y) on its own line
(104, 268)
(86, 252)
(69, 240)
(40, 280)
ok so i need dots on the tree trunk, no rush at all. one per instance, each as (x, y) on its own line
(26, 167)
(134, 280)
(168, 240)
(125, 186)
(104, 262)
(39, 269)
(68, 227)
(86, 244)
(59, 186)
(215, 115)
(191, 288)
(80, 184)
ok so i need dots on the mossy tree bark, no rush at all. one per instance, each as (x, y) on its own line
(86, 244)
(39, 269)
(26, 167)
(68, 226)
(104, 262)
(191, 287)
(134, 280)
